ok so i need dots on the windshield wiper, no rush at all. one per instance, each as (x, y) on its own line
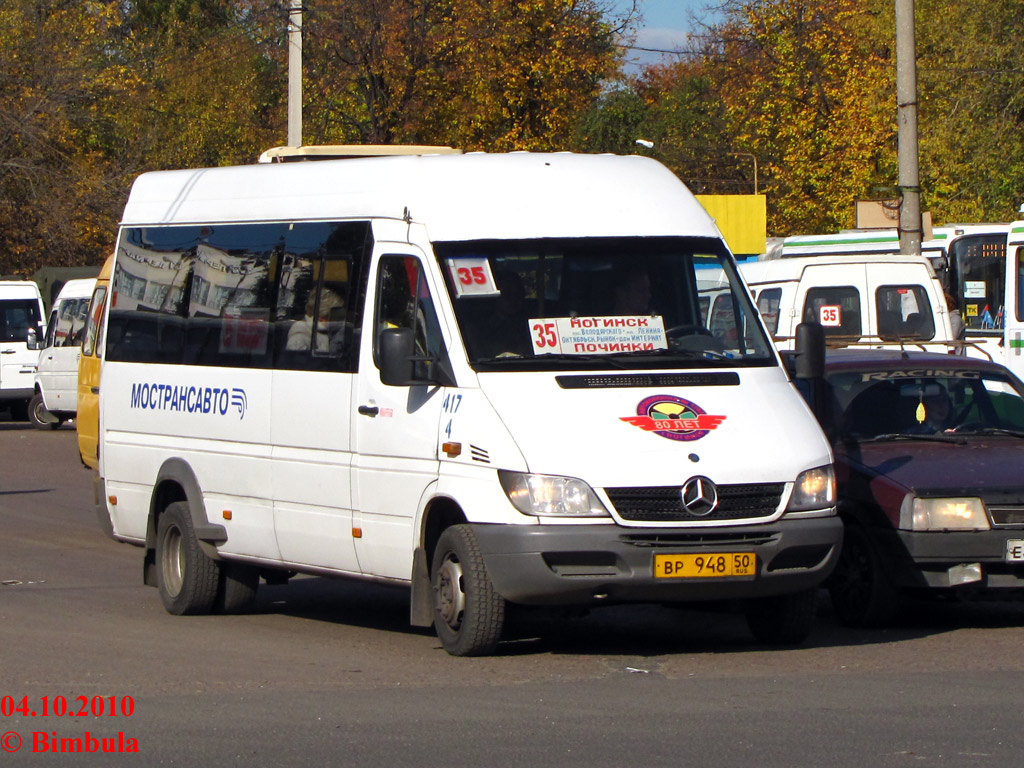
(937, 437)
(980, 430)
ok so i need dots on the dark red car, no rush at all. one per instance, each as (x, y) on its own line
(929, 453)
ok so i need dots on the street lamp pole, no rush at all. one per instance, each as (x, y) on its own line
(752, 157)
(295, 74)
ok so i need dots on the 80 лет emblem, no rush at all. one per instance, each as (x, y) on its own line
(673, 418)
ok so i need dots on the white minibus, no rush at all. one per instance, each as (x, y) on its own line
(969, 260)
(21, 327)
(880, 300)
(485, 377)
(55, 399)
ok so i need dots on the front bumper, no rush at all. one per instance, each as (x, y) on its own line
(588, 564)
(923, 559)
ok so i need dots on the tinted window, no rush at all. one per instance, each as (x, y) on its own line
(242, 295)
(95, 322)
(768, 305)
(904, 312)
(837, 308)
(929, 400)
(16, 317)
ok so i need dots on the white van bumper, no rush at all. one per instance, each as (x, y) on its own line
(589, 564)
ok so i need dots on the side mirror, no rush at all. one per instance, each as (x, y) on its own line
(32, 339)
(810, 351)
(396, 351)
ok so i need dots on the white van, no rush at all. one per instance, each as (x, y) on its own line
(21, 327)
(882, 299)
(484, 377)
(55, 399)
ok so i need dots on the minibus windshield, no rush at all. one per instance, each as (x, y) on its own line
(598, 303)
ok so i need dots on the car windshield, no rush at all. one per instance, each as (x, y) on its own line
(598, 303)
(925, 401)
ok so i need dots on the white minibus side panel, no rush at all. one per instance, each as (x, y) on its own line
(312, 461)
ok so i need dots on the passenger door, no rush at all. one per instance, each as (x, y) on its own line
(833, 295)
(58, 362)
(311, 418)
(396, 427)
(88, 413)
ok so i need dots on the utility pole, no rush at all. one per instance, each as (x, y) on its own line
(295, 74)
(910, 228)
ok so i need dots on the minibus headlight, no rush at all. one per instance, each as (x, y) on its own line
(549, 496)
(957, 514)
(813, 489)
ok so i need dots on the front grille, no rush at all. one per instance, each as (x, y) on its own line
(705, 541)
(605, 381)
(665, 503)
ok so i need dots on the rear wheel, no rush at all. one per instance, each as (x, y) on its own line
(38, 416)
(861, 593)
(469, 614)
(187, 579)
(783, 619)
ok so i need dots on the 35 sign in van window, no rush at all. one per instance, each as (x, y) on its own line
(472, 276)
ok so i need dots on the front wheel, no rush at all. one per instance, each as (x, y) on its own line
(469, 614)
(38, 416)
(784, 619)
(187, 579)
(861, 592)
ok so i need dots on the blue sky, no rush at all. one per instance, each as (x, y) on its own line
(665, 25)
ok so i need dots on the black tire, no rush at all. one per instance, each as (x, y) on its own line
(469, 614)
(236, 589)
(187, 579)
(861, 592)
(783, 619)
(38, 416)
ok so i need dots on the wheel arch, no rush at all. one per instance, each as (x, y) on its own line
(177, 482)
(440, 513)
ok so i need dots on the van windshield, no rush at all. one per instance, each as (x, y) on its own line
(601, 303)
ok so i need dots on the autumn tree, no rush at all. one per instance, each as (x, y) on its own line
(479, 74)
(971, 108)
(808, 88)
(52, 76)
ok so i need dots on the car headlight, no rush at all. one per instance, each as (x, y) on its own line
(813, 489)
(957, 514)
(547, 495)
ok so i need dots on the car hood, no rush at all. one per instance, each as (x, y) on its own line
(760, 430)
(927, 468)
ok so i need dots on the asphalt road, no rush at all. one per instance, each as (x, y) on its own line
(329, 673)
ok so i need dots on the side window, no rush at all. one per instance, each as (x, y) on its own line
(320, 292)
(837, 308)
(904, 312)
(95, 322)
(768, 305)
(404, 301)
(77, 310)
(256, 295)
(51, 330)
